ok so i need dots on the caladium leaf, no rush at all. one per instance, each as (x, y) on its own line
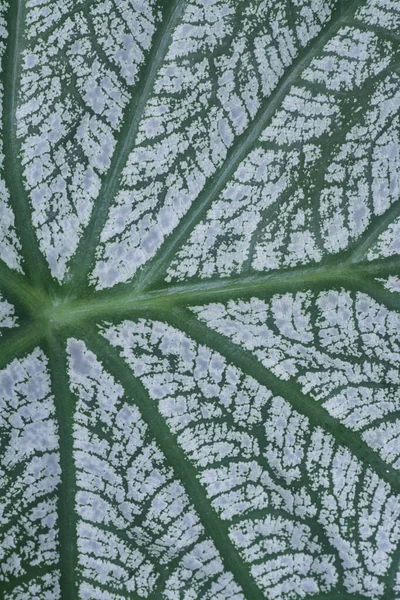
(199, 299)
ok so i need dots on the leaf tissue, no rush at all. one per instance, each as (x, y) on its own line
(199, 299)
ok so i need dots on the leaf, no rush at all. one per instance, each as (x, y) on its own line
(199, 300)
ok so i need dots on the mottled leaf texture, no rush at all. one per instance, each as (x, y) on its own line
(200, 300)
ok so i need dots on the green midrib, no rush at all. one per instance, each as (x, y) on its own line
(67, 516)
(99, 305)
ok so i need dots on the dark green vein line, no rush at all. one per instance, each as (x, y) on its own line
(240, 149)
(215, 528)
(65, 405)
(393, 417)
(85, 254)
(34, 263)
(380, 30)
(316, 414)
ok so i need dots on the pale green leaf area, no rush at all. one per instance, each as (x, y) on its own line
(200, 299)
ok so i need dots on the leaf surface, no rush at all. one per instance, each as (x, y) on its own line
(199, 300)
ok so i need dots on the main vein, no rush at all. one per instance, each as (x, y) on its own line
(116, 304)
(67, 490)
(18, 291)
